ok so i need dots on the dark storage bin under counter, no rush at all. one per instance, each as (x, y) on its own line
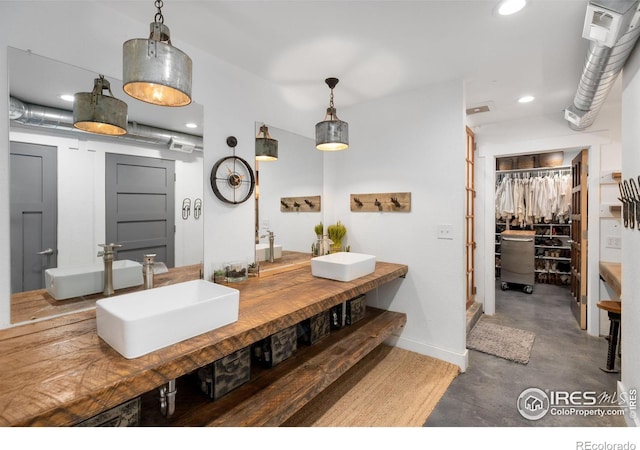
(314, 328)
(125, 415)
(225, 374)
(277, 347)
(356, 309)
(348, 312)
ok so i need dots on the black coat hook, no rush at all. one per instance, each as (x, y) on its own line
(395, 201)
(308, 202)
(358, 202)
(283, 203)
(296, 205)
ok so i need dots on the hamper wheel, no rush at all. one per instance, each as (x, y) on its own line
(504, 286)
(528, 289)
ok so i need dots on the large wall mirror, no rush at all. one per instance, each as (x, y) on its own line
(78, 166)
(298, 172)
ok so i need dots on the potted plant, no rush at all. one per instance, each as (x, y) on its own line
(219, 275)
(336, 233)
(253, 269)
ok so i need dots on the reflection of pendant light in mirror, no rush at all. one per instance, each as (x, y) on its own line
(332, 133)
(98, 113)
(153, 70)
(266, 146)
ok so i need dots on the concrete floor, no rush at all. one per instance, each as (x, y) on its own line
(563, 358)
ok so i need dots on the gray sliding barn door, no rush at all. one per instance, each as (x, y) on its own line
(34, 214)
(140, 206)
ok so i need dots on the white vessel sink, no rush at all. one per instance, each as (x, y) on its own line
(262, 252)
(343, 266)
(70, 282)
(141, 322)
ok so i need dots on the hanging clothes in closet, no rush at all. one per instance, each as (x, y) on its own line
(535, 196)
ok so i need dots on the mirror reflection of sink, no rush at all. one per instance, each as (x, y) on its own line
(141, 322)
(63, 283)
(262, 252)
(343, 266)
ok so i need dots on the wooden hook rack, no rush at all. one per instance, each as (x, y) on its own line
(300, 204)
(383, 202)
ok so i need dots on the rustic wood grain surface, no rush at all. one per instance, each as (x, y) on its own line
(59, 372)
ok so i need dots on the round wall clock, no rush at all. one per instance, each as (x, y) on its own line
(232, 178)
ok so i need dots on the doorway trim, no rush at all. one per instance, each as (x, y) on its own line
(486, 236)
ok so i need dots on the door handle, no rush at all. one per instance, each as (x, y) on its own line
(517, 239)
(48, 251)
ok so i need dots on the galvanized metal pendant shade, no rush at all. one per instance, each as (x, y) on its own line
(154, 71)
(266, 146)
(95, 112)
(332, 133)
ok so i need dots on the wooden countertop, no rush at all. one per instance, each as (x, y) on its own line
(58, 372)
(611, 273)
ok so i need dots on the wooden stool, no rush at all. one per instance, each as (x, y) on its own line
(614, 310)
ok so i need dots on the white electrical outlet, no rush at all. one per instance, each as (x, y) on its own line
(614, 242)
(265, 224)
(445, 231)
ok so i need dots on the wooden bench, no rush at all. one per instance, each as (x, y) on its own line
(273, 395)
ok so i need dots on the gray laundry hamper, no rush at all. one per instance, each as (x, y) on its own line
(517, 250)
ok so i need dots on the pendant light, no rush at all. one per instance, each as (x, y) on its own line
(332, 133)
(98, 113)
(153, 70)
(266, 146)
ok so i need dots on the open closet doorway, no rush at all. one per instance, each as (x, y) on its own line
(533, 195)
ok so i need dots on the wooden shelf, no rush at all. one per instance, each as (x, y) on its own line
(275, 394)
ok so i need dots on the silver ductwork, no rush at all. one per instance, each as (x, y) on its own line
(605, 21)
(61, 120)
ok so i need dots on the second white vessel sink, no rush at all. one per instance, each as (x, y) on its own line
(262, 252)
(141, 322)
(343, 266)
(70, 282)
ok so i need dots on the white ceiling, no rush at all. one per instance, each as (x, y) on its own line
(378, 48)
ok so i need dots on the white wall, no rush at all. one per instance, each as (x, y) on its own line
(413, 142)
(630, 378)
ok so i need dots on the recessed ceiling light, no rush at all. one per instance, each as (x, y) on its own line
(526, 99)
(67, 97)
(508, 7)
(191, 125)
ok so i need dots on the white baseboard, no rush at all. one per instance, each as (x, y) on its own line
(459, 359)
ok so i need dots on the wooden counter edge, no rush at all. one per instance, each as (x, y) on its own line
(611, 273)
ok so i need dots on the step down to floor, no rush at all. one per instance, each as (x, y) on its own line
(474, 312)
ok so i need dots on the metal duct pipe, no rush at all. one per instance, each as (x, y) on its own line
(602, 66)
(62, 120)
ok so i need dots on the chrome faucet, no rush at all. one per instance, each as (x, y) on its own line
(107, 255)
(271, 241)
(147, 269)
